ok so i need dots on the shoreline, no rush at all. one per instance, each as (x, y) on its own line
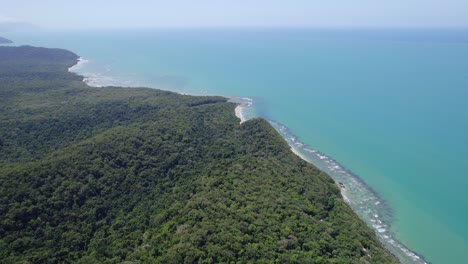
(242, 104)
(365, 202)
(88, 80)
(238, 112)
(338, 184)
(79, 63)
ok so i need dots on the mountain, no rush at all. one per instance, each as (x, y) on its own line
(5, 41)
(138, 175)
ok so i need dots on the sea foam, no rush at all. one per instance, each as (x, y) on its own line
(78, 65)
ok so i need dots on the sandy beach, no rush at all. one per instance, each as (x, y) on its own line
(239, 113)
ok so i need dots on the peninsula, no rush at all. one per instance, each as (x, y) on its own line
(139, 175)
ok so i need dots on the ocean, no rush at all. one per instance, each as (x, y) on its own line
(384, 112)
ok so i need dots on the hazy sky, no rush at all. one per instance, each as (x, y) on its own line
(63, 14)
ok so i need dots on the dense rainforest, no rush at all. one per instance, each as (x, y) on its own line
(5, 41)
(138, 175)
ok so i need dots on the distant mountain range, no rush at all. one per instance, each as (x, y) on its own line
(4, 40)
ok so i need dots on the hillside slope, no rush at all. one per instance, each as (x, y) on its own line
(5, 41)
(106, 175)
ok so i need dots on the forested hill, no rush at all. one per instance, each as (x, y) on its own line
(5, 41)
(135, 175)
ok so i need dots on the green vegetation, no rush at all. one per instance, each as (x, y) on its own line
(135, 175)
(4, 40)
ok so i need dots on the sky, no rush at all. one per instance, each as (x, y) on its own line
(100, 14)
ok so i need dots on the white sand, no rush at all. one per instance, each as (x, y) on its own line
(239, 113)
(299, 154)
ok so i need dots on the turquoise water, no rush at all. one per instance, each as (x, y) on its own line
(384, 112)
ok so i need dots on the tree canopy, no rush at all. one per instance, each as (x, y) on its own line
(138, 175)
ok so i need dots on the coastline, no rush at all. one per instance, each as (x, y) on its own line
(239, 114)
(79, 63)
(338, 184)
(361, 198)
(92, 81)
(142, 116)
(243, 103)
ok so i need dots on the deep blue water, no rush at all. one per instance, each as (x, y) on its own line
(383, 111)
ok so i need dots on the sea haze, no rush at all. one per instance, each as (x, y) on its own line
(383, 111)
